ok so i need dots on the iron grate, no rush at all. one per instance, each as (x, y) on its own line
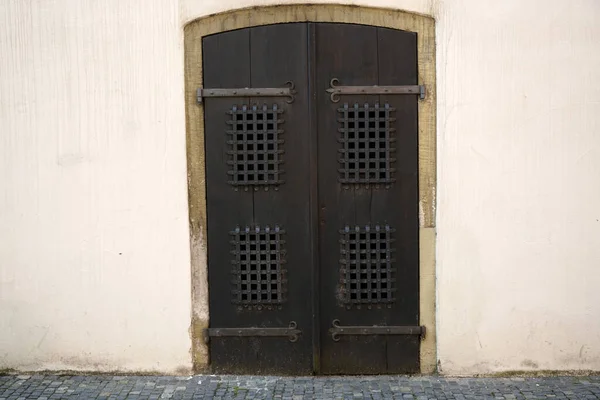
(255, 146)
(367, 265)
(258, 259)
(367, 144)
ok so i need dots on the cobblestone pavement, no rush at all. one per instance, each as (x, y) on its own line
(16, 387)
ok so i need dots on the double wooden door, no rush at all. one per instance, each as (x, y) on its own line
(312, 199)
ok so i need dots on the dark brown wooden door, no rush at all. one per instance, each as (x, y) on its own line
(312, 205)
(368, 198)
(258, 187)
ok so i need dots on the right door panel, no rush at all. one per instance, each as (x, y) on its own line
(368, 200)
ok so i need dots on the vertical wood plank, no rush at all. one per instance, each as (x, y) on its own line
(226, 64)
(279, 54)
(314, 197)
(398, 205)
(348, 53)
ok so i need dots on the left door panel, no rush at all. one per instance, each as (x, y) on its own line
(257, 177)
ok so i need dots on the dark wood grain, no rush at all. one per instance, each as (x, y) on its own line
(279, 54)
(398, 205)
(314, 197)
(259, 57)
(348, 53)
(226, 64)
(312, 205)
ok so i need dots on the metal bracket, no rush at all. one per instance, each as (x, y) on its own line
(248, 92)
(339, 330)
(291, 332)
(337, 91)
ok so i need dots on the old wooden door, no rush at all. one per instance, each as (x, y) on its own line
(312, 199)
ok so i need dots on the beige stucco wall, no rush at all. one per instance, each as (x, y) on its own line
(94, 238)
(518, 185)
(94, 248)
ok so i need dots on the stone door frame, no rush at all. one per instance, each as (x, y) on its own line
(194, 31)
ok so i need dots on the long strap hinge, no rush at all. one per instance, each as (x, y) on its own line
(291, 332)
(287, 91)
(337, 91)
(338, 330)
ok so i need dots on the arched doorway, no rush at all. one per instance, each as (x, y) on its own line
(313, 194)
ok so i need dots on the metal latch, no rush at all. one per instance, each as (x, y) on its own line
(291, 332)
(337, 91)
(248, 92)
(339, 330)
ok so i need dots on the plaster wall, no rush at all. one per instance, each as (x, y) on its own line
(94, 243)
(518, 224)
(94, 238)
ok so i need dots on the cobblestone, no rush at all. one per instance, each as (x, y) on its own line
(50, 387)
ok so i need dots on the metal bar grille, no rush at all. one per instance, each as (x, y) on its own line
(258, 273)
(366, 144)
(255, 146)
(367, 265)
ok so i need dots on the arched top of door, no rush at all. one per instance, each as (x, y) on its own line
(277, 14)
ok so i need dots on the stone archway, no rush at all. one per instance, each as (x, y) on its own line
(195, 31)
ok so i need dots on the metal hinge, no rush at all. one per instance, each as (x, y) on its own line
(248, 92)
(337, 91)
(339, 330)
(291, 332)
